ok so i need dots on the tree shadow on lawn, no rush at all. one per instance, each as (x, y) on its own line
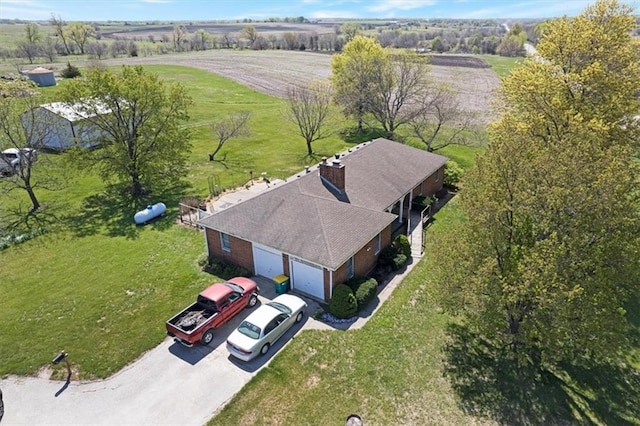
(489, 384)
(111, 212)
(352, 136)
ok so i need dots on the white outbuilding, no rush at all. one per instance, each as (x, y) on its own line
(62, 126)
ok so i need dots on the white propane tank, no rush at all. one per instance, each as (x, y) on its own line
(152, 211)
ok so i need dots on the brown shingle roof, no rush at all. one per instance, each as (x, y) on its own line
(306, 219)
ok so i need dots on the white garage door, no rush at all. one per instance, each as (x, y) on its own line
(307, 278)
(267, 262)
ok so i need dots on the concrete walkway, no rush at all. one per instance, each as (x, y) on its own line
(229, 199)
(416, 234)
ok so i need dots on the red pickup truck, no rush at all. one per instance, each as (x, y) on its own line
(215, 305)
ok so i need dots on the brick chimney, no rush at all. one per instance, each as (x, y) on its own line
(333, 173)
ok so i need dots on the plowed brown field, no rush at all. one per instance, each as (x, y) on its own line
(272, 71)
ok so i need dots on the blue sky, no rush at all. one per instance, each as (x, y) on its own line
(187, 10)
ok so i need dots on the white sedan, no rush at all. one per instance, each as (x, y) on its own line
(256, 334)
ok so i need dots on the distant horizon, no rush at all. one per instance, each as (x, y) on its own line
(257, 10)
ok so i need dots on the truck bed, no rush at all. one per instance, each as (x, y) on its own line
(191, 318)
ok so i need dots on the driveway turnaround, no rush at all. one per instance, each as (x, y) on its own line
(170, 384)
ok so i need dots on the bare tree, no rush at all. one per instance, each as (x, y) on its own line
(228, 40)
(49, 49)
(250, 33)
(439, 108)
(399, 87)
(233, 126)
(98, 49)
(59, 27)
(309, 109)
(22, 132)
(290, 41)
(201, 40)
(273, 40)
(28, 50)
(179, 35)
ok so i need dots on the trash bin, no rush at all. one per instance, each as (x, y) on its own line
(281, 284)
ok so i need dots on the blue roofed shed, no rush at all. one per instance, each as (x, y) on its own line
(42, 76)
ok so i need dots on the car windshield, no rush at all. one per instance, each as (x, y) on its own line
(234, 287)
(9, 156)
(279, 306)
(250, 330)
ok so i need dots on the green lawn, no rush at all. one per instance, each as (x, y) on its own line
(413, 364)
(502, 65)
(101, 288)
(389, 372)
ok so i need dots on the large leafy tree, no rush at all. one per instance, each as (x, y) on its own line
(549, 255)
(80, 34)
(354, 72)
(371, 82)
(139, 117)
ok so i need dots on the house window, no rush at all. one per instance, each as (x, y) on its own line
(438, 175)
(224, 242)
(350, 268)
(378, 243)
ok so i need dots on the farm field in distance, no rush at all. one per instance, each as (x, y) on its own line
(273, 71)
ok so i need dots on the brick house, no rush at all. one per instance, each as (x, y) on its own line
(329, 222)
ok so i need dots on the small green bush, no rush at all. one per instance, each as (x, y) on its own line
(452, 173)
(365, 292)
(390, 254)
(70, 71)
(386, 256)
(355, 282)
(399, 261)
(343, 303)
(403, 245)
(363, 288)
(225, 270)
(421, 202)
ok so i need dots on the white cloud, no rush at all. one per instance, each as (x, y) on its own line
(20, 2)
(391, 5)
(324, 14)
(28, 10)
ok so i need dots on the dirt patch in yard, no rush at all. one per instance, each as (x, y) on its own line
(273, 71)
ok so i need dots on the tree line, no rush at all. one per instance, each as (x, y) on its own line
(77, 38)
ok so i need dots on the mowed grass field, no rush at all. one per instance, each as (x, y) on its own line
(56, 288)
(100, 287)
(412, 364)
